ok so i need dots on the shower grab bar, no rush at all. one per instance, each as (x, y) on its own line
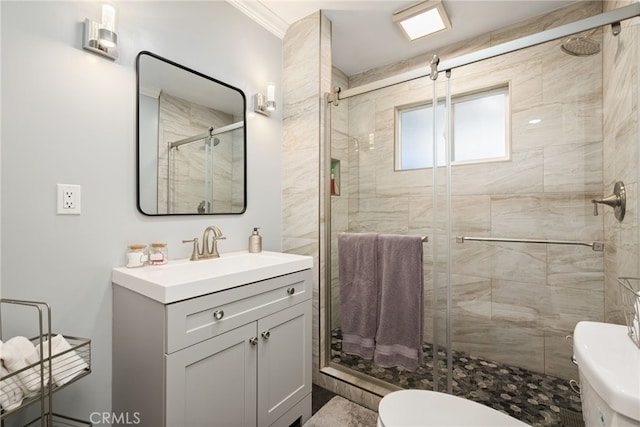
(595, 246)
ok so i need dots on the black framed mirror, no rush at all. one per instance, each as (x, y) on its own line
(191, 141)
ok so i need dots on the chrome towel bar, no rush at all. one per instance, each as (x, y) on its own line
(596, 246)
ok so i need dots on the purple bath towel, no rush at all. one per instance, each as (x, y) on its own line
(357, 259)
(400, 318)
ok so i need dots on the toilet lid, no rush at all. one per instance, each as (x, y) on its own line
(405, 408)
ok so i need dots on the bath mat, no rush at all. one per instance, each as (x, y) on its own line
(341, 412)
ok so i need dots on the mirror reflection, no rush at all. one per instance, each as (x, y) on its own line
(191, 141)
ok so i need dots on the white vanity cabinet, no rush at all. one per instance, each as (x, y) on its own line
(237, 357)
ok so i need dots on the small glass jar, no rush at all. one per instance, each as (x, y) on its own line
(136, 256)
(158, 254)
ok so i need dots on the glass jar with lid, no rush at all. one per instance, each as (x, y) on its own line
(136, 255)
(158, 254)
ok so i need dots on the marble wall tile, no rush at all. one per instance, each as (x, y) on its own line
(521, 303)
(573, 167)
(552, 19)
(420, 216)
(620, 87)
(575, 267)
(567, 306)
(518, 345)
(362, 118)
(523, 174)
(472, 297)
(557, 357)
(522, 262)
(382, 215)
(535, 136)
(626, 152)
(555, 216)
(473, 258)
(471, 215)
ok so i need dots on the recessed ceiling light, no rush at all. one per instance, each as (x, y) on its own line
(422, 19)
(535, 121)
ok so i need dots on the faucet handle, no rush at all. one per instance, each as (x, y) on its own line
(194, 255)
(595, 207)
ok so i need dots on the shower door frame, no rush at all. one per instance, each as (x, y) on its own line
(373, 385)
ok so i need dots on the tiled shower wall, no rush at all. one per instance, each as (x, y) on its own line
(621, 156)
(179, 119)
(554, 194)
(306, 78)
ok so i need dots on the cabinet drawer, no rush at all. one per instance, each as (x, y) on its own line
(191, 321)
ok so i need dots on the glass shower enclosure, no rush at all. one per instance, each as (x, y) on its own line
(515, 255)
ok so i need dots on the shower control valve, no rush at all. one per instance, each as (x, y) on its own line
(617, 200)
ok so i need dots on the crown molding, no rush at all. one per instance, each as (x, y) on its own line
(261, 14)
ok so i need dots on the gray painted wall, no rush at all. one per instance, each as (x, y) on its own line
(68, 116)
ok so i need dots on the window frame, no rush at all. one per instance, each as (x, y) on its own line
(499, 88)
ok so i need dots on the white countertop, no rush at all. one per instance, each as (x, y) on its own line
(182, 279)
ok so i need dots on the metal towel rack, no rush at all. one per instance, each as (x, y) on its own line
(596, 246)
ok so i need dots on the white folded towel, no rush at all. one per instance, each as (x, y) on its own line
(64, 367)
(11, 393)
(14, 357)
(34, 360)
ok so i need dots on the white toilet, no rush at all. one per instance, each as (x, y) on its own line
(421, 408)
(609, 369)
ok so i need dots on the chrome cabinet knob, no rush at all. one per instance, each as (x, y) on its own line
(218, 314)
(291, 291)
(253, 341)
(266, 335)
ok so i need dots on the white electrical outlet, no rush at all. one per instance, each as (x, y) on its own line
(69, 200)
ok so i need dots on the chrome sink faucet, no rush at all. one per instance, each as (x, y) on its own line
(208, 251)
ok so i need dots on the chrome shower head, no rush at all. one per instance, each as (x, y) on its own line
(580, 46)
(209, 140)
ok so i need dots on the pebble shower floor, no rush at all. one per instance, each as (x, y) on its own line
(536, 399)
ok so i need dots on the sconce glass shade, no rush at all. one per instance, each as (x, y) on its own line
(265, 104)
(271, 105)
(108, 17)
(271, 97)
(101, 38)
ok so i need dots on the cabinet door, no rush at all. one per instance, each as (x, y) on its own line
(284, 361)
(213, 383)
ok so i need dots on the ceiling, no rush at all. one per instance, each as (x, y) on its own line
(364, 36)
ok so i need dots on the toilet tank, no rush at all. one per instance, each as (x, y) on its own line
(609, 368)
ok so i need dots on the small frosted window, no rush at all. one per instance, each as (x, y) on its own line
(480, 130)
(480, 124)
(416, 136)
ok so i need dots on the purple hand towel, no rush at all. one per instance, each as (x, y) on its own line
(357, 259)
(400, 318)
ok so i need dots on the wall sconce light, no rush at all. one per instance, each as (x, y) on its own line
(102, 38)
(265, 104)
